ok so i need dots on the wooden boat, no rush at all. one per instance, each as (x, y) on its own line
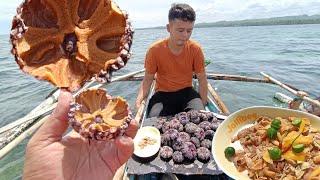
(12, 134)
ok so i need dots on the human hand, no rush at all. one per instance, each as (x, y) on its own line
(49, 155)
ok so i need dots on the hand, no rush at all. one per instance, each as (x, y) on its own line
(49, 155)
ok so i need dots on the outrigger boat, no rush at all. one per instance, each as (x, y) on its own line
(14, 133)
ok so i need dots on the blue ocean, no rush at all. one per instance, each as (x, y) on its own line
(289, 53)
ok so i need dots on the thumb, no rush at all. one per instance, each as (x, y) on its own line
(125, 148)
(57, 123)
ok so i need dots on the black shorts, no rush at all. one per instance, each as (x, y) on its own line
(175, 102)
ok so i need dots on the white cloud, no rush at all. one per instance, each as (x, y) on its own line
(146, 13)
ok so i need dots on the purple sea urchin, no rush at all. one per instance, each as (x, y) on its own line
(194, 116)
(173, 134)
(96, 115)
(195, 141)
(166, 153)
(200, 134)
(183, 136)
(183, 118)
(189, 151)
(205, 125)
(203, 154)
(191, 128)
(165, 139)
(174, 123)
(177, 157)
(165, 126)
(209, 134)
(206, 143)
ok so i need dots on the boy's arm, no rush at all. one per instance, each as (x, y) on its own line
(144, 88)
(203, 86)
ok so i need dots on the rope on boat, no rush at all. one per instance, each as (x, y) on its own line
(297, 93)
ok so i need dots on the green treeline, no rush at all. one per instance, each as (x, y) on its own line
(287, 20)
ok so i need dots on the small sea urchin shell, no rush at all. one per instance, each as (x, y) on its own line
(66, 42)
(96, 115)
(203, 154)
(195, 141)
(189, 151)
(177, 157)
(191, 128)
(166, 153)
(205, 125)
(206, 143)
(183, 118)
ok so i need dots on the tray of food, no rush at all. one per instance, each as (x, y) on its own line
(268, 143)
(184, 147)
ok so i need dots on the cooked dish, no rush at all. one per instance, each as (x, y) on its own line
(279, 148)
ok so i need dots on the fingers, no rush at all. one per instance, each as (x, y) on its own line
(125, 148)
(53, 129)
(132, 129)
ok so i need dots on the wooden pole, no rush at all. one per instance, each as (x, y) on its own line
(218, 100)
(6, 149)
(235, 78)
(49, 104)
(297, 93)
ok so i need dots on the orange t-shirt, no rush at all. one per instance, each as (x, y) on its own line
(174, 72)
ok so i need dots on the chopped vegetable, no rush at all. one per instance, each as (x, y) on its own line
(272, 133)
(229, 152)
(275, 153)
(289, 155)
(276, 124)
(296, 122)
(289, 139)
(267, 158)
(298, 148)
(315, 173)
(306, 140)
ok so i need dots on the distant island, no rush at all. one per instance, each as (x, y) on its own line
(286, 20)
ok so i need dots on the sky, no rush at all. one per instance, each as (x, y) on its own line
(150, 13)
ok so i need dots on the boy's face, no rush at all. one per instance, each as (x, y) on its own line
(180, 31)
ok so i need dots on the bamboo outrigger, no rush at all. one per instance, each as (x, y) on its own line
(14, 133)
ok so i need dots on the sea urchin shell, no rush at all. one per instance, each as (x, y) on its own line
(66, 42)
(96, 115)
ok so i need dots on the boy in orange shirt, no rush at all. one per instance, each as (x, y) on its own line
(172, 62)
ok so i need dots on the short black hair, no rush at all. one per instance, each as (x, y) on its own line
(182, 11)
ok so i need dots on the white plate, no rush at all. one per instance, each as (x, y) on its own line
(148, 150)
(243, 118)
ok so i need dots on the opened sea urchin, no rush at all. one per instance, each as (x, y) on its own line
(67, 42)
(96, 115)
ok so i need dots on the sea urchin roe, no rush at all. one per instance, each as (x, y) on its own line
(96, 115)
(146, 141)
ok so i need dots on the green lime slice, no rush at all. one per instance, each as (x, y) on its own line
(271, 133)
(298, 148)
(276, 124)
(296, 122)
(275, 153)
(229, 152)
